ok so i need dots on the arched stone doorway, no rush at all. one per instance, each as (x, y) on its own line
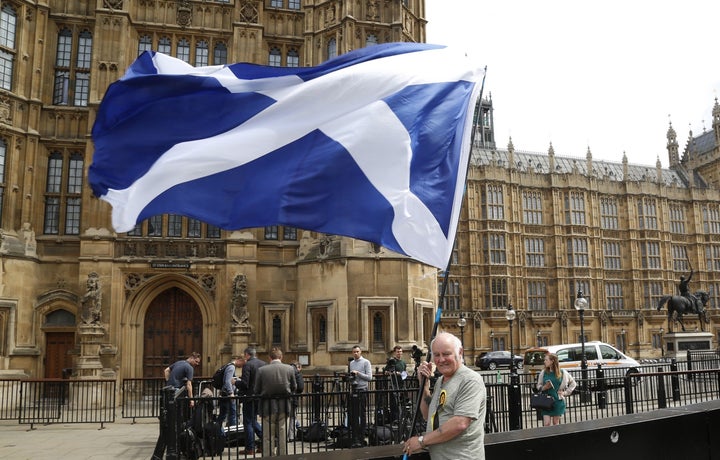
(59, 328)
(173, 329)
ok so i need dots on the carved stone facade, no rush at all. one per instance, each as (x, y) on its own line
(75, 295)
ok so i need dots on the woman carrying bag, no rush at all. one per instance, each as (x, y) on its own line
(557, 383)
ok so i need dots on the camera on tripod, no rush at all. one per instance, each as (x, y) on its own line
(417, 354)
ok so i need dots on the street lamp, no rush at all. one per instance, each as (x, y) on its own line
(510, 316)
(581, 304)
(514, 399)
(461, 324)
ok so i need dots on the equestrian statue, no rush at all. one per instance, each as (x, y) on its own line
(685, 303)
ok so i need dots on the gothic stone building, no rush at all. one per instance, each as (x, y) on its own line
(79, 298)
(537, 228)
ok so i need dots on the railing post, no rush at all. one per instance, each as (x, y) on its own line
(675, 380)
(602, 387)
(629, 406)
(661, 395)
(690, 365)
(515, 402)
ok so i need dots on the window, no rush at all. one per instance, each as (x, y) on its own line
(677, 219)
(712, 257)
(532, 208)
(194, 228)
(574, 208)
(63, 203)
(271, 232)
(537, 295)
(294, 4)
(174, 225)
(332, 48)
(496, 293)
(608, 213)
(276, 3)
(66, 72)
(534, 252)
(680, 260)
(322, 329)
(714, 290)
(711, 219)
(378, 336)
(611, 255)
(183, 50)
(276, 330)
(652, 292)
(274, 58)
(583, 286)
(155, 226)
(293, 58)
(371, 40)
(220, 54)
(494, 246)
(657, 340)
(8, 27)
(647, 214)
(290, 233)
(202, 53)
(577, 252)
(498, 343)
(164, 45)
(144, 44)
(213, 231)
(493, 203)
(614, 296)
(3, 160)
(650, 254)
(451, 301)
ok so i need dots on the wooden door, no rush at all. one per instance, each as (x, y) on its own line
(173, 330)
(57, 353)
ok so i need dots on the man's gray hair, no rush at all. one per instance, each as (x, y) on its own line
(250, 351)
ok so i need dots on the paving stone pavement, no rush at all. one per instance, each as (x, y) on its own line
(82, 441)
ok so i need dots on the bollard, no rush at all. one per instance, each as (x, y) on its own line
(675, 381)
(602, 387)
(661, 396)
(515, 402)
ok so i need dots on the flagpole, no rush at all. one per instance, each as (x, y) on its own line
(443, 288)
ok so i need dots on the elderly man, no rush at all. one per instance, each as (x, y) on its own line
(456, 409)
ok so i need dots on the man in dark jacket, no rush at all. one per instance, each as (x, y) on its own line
(299, 387)
(246, 385)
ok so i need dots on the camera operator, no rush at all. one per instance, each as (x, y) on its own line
(417, 355)
(359, 374)
(396, 370)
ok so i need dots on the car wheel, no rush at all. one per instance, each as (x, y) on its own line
(492, 366)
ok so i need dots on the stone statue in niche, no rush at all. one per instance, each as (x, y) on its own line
(91, 302)
(238, 303)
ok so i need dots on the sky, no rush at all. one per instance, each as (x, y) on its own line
(607, 75)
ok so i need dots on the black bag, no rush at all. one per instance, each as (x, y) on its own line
(317, 432)
(542, 401)
(343, 437)
(218, 377)
(214, 438)
(190, 445)
(380, 436)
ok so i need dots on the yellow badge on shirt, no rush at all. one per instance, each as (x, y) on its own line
(441, 400)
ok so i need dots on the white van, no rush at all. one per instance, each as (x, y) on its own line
(570, 355)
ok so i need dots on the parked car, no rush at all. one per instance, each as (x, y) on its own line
(494, 359)
(615, 362)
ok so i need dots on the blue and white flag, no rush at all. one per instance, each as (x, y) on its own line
(373, 144)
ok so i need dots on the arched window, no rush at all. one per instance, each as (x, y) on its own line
(60, 318)
(378, 326)
(164, 46)
(275, 58)
(63, 187)
(3, 153)
(220, 54)
(293, 58)
(183, 50)
(332, 48)
(201, 53)
(144, 44)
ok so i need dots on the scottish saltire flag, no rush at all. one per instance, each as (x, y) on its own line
(373, 144)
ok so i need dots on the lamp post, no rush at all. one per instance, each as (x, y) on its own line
(662, 340)
(581, 304)
(461, 324)
(514, 400)
(622, 334)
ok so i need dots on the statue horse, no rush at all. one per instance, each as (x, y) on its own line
(682, 305)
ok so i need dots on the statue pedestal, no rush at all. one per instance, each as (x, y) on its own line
(678, 343)
(88, 364)
(239, 338)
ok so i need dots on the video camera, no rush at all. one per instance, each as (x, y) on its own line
(417, 354)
